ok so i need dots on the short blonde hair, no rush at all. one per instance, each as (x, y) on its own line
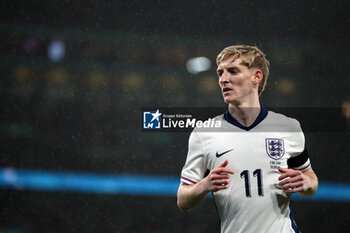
(251, 56)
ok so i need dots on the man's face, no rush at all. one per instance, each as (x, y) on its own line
(235, 80)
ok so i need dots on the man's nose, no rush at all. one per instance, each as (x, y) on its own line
(224, 77)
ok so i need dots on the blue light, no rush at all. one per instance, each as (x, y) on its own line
(56, 50)
(329, 191)
(129, 184)
(88, 182)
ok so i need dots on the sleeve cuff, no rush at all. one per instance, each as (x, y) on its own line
(304, 167)
(187, 181)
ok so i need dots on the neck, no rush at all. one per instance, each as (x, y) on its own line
(245, 113)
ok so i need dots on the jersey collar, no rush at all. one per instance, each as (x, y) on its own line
(262, 115)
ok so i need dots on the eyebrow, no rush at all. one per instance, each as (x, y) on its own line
(228, 67)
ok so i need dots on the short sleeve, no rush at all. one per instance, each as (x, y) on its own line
(299, 159)
(195, 166)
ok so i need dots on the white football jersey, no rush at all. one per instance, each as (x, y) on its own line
(253, 203)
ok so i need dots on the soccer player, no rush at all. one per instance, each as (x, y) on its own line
(257, 160)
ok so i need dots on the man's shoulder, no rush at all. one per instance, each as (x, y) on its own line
(281, 117)
(283, 120)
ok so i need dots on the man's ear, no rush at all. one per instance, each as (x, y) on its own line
(258, 75)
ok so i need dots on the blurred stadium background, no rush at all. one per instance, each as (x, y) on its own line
(75, 75)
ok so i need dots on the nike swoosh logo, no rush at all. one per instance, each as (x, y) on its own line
(221, 154)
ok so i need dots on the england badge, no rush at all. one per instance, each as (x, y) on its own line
(275, 148)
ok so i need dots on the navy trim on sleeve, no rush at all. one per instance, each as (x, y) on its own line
(298, 160)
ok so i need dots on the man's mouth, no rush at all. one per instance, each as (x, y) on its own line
(226, 89)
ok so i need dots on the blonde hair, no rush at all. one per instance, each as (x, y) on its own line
(251, 56)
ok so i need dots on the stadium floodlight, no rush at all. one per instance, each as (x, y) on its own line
(196, 65)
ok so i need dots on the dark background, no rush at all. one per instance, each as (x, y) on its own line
(83, 113)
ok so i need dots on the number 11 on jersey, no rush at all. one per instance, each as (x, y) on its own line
(258, 174)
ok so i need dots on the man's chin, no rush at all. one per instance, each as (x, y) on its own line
(228, 100)
(231, 101)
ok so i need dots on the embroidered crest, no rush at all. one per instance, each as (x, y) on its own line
(275, 148)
